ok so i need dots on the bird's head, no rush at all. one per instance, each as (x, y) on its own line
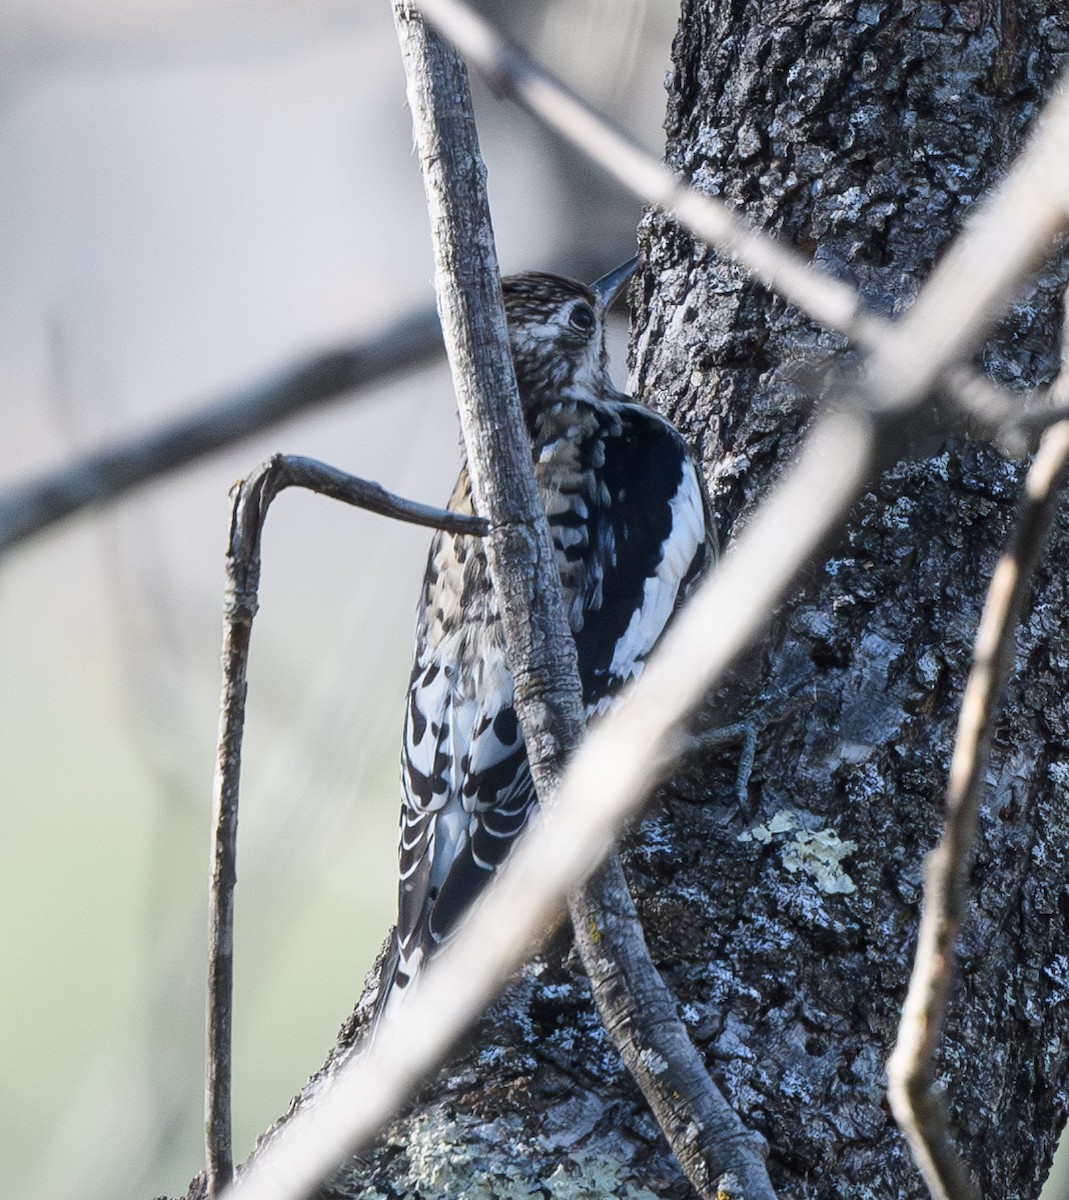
(557, 333)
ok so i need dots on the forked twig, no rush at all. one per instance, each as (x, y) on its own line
(252, 498)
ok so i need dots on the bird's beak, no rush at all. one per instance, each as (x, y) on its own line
(608, 287)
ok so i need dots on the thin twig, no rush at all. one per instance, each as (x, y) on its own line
(104, 475)
(706, 1137)
(252, 499)
(917, 1106)
(293, 470)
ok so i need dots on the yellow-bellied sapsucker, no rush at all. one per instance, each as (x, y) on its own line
(631, 529)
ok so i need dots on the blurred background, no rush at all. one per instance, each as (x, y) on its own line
(191, 195)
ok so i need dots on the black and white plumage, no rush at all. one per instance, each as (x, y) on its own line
(631, 528)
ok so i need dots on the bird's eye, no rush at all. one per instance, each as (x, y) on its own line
(582, 318)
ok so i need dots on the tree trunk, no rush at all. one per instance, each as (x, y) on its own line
(860, 133)
(862, 137)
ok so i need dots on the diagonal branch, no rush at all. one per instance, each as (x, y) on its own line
(252, 499)
(103, 476)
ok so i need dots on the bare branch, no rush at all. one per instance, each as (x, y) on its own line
(251, 502)
(293, 470)
(917, 1107)
(104, 475)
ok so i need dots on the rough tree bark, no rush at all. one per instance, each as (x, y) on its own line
(863, 132)
(860, 132)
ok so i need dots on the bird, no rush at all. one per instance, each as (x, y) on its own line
(632, 530)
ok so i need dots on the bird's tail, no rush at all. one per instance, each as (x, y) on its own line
(387, 980)
(396, 977)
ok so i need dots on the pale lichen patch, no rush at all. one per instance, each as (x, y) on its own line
(819, 853)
